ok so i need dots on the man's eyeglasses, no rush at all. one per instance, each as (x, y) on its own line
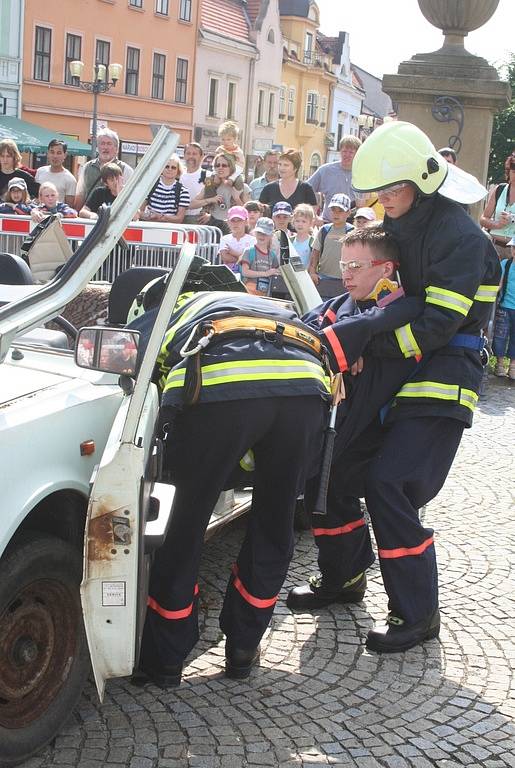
(392, 191)
(355, 266)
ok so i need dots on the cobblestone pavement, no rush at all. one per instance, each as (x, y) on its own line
(319, 698)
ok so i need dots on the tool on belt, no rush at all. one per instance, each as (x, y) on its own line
(256, 327)
(338, 394)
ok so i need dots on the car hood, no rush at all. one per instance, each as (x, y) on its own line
(16, 383)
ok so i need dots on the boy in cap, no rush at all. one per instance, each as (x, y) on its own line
(324, 265)
(282, 213)
(260, 262)
(17, 198)
(364, 217)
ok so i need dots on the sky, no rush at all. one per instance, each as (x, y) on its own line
(385, 32)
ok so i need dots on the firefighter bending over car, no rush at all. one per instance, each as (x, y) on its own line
(400, 461)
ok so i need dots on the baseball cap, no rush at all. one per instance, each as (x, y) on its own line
(367, 213)
(264, 225)
(17, 183)
(238, 212)
(282, 207)
(512, 241)
(340, 200)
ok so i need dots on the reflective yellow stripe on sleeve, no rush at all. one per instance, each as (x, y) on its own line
(468, 398)
(237, 371)
(442, 297)
(486, 293)
(407, 342)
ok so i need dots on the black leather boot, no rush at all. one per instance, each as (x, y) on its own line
(316, 594)
(396, 636)
(239, 661)
(167, 677)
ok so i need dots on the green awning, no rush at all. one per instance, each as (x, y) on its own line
(34, 138)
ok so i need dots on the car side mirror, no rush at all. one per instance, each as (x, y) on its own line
(110, 350)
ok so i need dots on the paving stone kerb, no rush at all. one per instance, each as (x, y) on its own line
(319, 698)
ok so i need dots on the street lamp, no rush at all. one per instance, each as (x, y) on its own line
(99, 84)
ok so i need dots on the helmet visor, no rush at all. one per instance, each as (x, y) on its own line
(462, 186)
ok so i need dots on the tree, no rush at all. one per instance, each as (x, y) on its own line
(503, 132)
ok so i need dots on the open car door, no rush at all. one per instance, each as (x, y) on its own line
(128, 513)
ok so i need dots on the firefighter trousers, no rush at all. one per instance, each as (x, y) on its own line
(206, 442)
(397, 469)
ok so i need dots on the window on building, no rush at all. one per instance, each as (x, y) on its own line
(271, 109)
(73, 50)
(261, 107)
(136, 3)
(282, 103)
(42, 50)
(185, 10)
(291, 103)
(162, 7)
(213, 97)
(158, 76)
(181, 82)
(231, 100)
(308, 48)
(132, 72)
(314, 163)
(103, 52)
(323, 111)
(312, 107)
(271, 36)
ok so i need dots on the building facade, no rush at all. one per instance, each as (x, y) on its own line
(154, 41)
(347, 96)
(308, 81)
(11, 46)
(238, 73)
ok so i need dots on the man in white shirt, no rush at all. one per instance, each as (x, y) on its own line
(335, 178)
(64, 181)
(193, 179)
(89, 176)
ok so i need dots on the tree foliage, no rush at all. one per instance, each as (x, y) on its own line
(503, 132)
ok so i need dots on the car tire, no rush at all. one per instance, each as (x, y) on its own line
(44, 659)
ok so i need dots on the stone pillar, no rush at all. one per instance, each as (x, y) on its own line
(451, 94)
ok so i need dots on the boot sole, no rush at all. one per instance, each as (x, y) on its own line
(432, 634)
(240, 673)
(140, 679)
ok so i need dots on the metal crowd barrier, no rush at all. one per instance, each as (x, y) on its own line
(145, 243)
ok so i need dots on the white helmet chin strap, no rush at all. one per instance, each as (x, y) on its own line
(462, 186)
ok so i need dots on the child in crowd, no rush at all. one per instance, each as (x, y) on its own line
(49, 203)
(112, 179)
(504, 333)
(228, 133)
(260, 262)
(233, 245)
(364, 217)
(282, 213)
(17, 199)
(324, 266)
(303, 219)
(255, 211)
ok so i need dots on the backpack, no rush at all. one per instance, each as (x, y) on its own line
(498, 192)
(504, 283)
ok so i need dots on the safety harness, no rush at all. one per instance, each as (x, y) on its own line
(246, 325)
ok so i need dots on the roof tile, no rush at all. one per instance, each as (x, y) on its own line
(226, 16)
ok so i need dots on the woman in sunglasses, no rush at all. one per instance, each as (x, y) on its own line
(499, 215)
(168, 200)
(219, 193)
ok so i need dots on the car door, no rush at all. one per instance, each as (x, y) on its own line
(127, 514)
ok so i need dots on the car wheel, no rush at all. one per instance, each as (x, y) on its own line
(44, 659)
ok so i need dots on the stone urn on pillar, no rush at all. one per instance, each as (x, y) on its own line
(451, 94)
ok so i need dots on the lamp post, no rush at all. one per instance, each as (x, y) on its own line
(99, 84)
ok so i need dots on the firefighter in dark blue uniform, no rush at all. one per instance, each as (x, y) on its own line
(401, 465)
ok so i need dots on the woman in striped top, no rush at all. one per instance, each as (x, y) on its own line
(168, 199)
